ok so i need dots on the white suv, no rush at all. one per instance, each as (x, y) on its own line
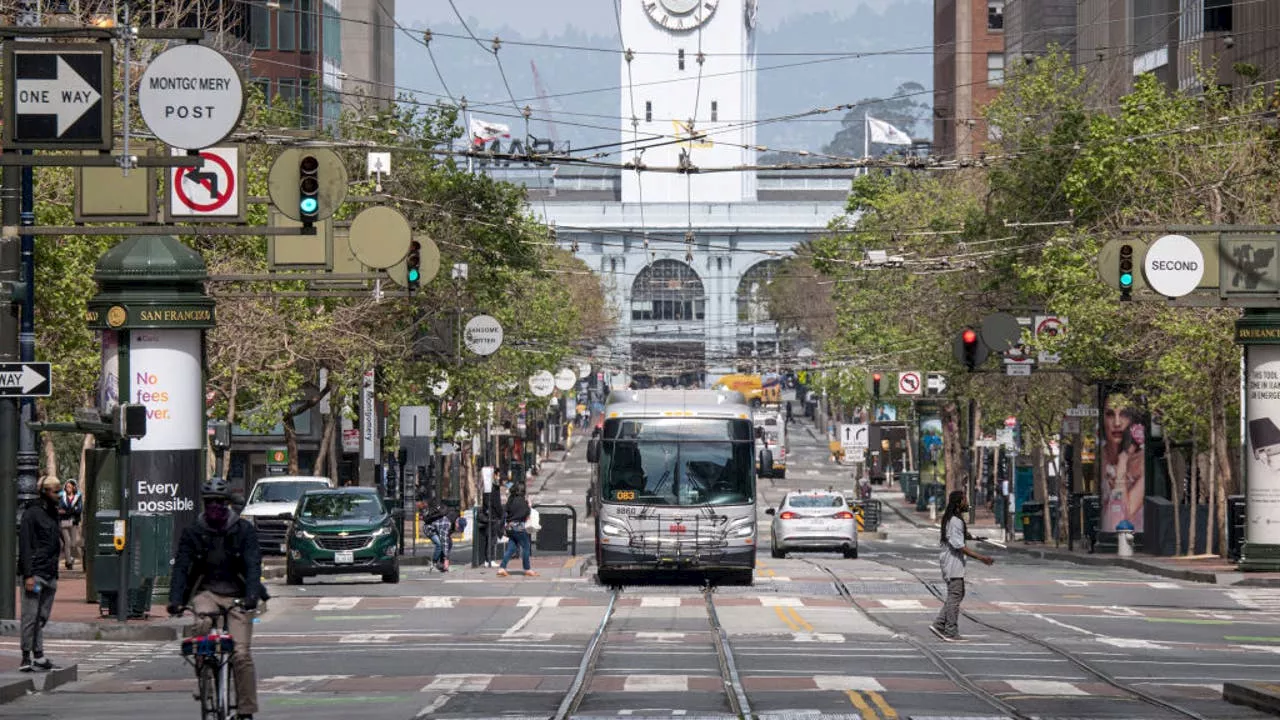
(271, 505)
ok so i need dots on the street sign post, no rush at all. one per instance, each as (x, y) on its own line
(1049, 326)
(565, 379)
(32, 379)
(1173, 265)
(854, 438)
(212, 192)
(191, 97)
(483, 335)
(910, 383)
(936, 383)
(542, 383)
(58, 96)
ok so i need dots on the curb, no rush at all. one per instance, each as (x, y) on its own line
(17, 685)
(1188, 575)
(1260, 696)
(106, 630)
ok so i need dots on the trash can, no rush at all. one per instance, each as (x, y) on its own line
(1033, 522)
(910, 485)
(1124, 539)
(554, 535)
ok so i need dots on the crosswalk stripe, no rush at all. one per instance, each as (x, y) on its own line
(1045, 687)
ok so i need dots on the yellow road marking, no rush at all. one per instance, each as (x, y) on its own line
(770, 573)
(863, 708)
(799, 620)
(885, 709)
(782, 615)
(568, 563)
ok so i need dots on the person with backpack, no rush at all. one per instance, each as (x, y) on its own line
(440, 531)
(217, 564)
(517, 515)
(952, 560)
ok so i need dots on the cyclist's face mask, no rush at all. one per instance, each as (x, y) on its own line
(216, 512)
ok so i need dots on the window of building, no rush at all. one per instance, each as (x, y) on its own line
(264, 86)
(648, 111)
(260, 27)
(715, 111)
(995, 69)
(286, 27)
(306, 26)
(310, 113)
(288, 90)
(1217, 15)
(680, 58)
(995, 14)
(668, 290)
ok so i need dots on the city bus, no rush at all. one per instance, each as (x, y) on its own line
(674, 485)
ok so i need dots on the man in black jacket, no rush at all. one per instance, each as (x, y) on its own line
(39, 545)
(218, 563)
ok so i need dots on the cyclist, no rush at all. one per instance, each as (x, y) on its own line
(218, 563)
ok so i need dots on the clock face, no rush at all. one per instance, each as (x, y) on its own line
(680, 14)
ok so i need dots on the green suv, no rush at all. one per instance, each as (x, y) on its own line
(345, 530)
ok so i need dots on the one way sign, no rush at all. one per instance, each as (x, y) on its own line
(33, 379)
(58, 96)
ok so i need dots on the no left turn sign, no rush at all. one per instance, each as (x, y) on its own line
(213, 190)
(909, 383)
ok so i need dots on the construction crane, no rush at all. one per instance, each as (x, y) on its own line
(544, 109)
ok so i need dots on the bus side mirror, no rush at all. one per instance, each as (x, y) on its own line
(593, 450)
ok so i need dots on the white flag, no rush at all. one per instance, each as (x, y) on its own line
(886, 134)
(482, 131)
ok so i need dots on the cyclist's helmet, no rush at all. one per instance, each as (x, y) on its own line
(215, 487)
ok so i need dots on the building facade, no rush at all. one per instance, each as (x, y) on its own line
(368, 53)
(968, 70)
(686, 257)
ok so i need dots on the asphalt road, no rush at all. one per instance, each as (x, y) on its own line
(1046, 639)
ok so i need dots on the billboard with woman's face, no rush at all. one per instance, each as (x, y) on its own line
(1123, 462)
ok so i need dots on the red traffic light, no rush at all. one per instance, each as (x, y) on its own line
(969, 336)
(876, 377)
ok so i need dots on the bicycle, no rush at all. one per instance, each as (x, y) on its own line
(210, 655)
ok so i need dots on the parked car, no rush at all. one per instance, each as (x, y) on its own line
(813, 520)
(271, 504)
(345, 530)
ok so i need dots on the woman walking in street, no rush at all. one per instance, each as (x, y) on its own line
(952, 558)
(517, 533)
(70, 508)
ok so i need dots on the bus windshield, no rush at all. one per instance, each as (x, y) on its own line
(677, 461)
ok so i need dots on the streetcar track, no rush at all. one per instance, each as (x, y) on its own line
(734, 691)
(952, 671)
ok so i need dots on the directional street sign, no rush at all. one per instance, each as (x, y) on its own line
(853, 438)
(909, 383)
(33, 379)
(936, 383)
(214, 191)
(191, 97)
(57, 96)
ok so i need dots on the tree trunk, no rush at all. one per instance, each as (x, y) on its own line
(1193, 497)
(326, 439)
(1226, 476)
(291, 442)
(1211, 514)
(951, 444)
(1040, 473)
(1175, 491)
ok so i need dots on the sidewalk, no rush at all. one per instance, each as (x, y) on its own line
(1211, 570)
(75, 619)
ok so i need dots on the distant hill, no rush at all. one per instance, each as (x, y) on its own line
(590, 118)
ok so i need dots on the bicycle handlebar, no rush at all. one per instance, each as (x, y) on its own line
(237, 604)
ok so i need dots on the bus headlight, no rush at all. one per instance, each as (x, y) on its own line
(613, 528)
(742, 527)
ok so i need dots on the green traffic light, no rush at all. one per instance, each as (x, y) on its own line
(1126, 280)
(308, 205)
(414, 275)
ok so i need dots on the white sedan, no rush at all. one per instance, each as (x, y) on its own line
(813, 520)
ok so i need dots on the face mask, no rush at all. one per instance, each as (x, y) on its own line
(216, 514)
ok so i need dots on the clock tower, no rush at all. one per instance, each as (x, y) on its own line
(688, 99)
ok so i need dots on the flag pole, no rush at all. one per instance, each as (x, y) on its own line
(866, 139)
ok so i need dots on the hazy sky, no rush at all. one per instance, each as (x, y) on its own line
(536, 17)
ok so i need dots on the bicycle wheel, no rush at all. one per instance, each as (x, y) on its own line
(226, 691)
(207, 680)
(232, 703)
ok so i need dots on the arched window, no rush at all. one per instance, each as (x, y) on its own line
(668, 290)
(753, 298)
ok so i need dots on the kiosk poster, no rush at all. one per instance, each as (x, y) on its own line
(1123, 463)
(1263, 413)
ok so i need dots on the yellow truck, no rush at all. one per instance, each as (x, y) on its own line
(749, 385)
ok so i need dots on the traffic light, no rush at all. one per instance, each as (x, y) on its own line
(969, 349)
(1126, 272)
(414, 262)
(875, 385)
(309, 190)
